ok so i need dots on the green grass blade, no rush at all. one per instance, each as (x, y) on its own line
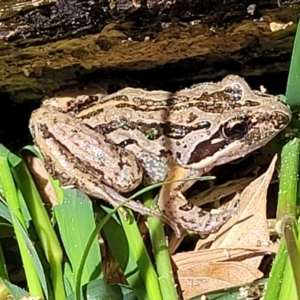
(11, 196)
(290, 286)
(159, 184)
(276, 275)
(8, 185)
(288, 185)
(284, 273)
(34, 257)
(161, 254)
(16, 292)
(76, 224)
(119, 246)
(98, 289)
(3, 270)
(137, 247)
(293, 84)
(280, 286)
(43, 227)
(4, 211)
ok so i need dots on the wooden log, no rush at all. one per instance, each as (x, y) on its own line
(45, 46)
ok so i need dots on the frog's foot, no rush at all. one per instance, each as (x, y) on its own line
(192, 218)
(198, 220)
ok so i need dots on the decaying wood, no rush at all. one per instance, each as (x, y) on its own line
(45, 46)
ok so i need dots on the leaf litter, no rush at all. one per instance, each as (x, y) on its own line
(236, 250)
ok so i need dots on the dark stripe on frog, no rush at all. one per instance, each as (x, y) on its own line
(153, 130)
(227, 133)
(252, 134)
(209, 104)
(229, 95)
(216, 102)
(77, 106)
(205, 106)
(163, 153)
(206, 149)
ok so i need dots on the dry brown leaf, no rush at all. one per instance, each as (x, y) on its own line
(40, 177)
(248, 225)
(217, 192)
(194, 268)
(209, 276)
(188, 259)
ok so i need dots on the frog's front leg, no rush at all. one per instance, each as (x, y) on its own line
(115, 199)
(189, 217)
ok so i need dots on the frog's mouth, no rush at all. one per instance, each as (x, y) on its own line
(237, 138)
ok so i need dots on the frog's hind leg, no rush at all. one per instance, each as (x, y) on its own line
(173, 204)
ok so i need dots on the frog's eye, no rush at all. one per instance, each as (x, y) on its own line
(235, 129)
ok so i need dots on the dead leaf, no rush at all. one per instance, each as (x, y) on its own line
(248, 226)
(209, 276)
(202, 271)
(40, 177)
(187, 259)
(216, 193)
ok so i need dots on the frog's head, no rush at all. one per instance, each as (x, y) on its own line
(237, 121)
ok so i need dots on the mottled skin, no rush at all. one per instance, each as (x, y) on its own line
(108, 144)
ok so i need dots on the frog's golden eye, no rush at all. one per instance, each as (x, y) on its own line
(235, 129)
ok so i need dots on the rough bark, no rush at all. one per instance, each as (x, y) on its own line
(47, 46)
